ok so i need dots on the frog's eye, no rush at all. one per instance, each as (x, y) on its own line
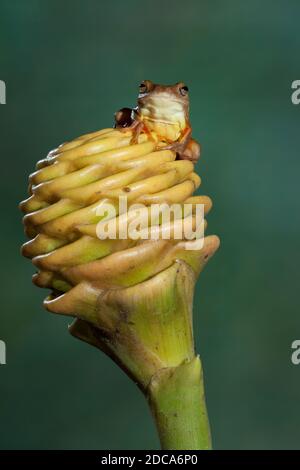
(146, 86)
(183, 90)
(142, 87)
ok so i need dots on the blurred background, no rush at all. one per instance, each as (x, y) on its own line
(68, 66)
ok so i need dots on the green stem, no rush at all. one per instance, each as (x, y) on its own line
(176, 397)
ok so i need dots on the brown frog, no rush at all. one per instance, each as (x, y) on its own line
(164, 110)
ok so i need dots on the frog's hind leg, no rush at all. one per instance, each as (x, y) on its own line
(186, 151)
(191, 152)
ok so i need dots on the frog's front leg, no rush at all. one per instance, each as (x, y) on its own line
(179, 145)
(125, 119)
(186, 148)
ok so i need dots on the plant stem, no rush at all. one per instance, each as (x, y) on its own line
(176, 397)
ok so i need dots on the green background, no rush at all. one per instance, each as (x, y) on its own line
(68, 66)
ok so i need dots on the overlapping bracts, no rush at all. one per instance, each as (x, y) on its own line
(61, 217)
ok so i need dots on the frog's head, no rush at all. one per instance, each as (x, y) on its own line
(164, 103)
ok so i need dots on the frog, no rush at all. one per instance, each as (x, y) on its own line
(164, 111)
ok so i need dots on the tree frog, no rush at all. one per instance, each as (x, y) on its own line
(163, 110)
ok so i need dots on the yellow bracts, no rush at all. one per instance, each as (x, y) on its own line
(96, 279)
